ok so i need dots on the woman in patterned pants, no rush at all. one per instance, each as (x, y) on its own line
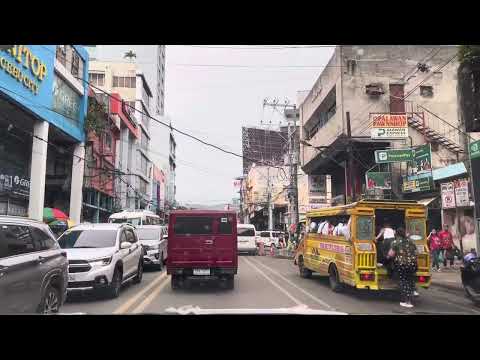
(407, 283)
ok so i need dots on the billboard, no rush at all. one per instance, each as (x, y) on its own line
(448, 195)
(388, 126)
(420, 176)
(316, 185)
(462, 197)
(379, 180)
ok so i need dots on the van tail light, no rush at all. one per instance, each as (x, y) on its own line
(367, 277)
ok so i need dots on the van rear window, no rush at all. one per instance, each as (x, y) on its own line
(193, 225)
(245, 232)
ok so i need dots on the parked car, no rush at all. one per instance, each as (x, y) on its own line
(154, 242)
(33, 268)
(102, 257)
(202, 245)
(270, 238)
(247, 240)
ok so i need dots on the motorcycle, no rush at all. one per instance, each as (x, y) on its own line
(470, 272)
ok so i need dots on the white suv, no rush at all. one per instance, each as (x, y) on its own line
(102, 257)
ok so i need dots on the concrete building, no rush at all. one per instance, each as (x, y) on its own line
(134, 159)
(359, 83)
(150, 59)
(43, 104)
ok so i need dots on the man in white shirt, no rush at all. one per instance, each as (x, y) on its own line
(338, 231)
(325, 228)
(320, 227)
(313, 226)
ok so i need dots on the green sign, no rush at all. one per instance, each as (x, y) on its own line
(475, 149)
(420, 177)
(396, 155)
(379, 180)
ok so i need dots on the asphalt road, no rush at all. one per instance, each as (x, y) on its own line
(265, 283)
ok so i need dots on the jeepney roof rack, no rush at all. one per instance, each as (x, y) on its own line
(389, 200)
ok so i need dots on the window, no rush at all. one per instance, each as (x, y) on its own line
(75, 63)
(121, 81)
(97, 79)
(193, 225)
(108, 140)
(130, 236)
(225, 225)
(143, 186)
(123, 237)
(15, 240)
(144, 141)
(245, 232)
(143, 165)
(42, 240)
(426, 91)
(416, 229)
(75, 239)
(365, 228)
(148, 234)
(61, 54)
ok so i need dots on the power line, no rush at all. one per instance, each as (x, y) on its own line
(255, 47)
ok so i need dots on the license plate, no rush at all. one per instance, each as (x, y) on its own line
(201, 271)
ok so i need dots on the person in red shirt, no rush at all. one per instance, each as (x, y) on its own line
(447, 247)
(435, 245)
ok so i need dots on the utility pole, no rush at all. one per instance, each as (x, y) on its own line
(350, 178)
(269, 201)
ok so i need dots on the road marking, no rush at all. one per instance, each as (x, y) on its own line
(274, 283)
(313, 297)
(130, 302)
(150, 298)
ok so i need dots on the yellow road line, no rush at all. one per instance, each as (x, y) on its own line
(130, 302)
(150, 298)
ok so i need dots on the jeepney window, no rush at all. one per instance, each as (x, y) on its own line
(365, 228)
(416, 229)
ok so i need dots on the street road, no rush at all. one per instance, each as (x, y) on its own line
(265, 283)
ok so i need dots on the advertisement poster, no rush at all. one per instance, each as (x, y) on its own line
(461, 192)
(14, 183)
(394, 155)
(316, 185)
(379, 180)
(419, 170)
(448, 195)
(388, 126)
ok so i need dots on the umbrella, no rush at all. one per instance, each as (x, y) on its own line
(66, 223)
(52, 214)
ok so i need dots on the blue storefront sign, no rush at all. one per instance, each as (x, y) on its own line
(27, 75)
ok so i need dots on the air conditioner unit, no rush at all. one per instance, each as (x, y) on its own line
(374, 89)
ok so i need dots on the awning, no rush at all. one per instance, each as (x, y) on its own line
(449, 171)
(427, 201)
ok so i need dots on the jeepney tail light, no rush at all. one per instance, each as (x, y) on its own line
(422, 279)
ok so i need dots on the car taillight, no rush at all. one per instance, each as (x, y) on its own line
(367, 277)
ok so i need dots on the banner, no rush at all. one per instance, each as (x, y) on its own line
(475, 149)
(388, 126)
(448, 195)
(461, 192)
(316, 185)
(14, 183)
(379, 180)
(395, 155)
(420, 176)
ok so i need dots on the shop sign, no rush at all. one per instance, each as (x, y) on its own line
(316, 185)
(420, 177)
(394, 155)
(448, 195)
(379, 180)
(461, 192)
(66, 101)
(475, 149)
(14, 183)
(388, 126)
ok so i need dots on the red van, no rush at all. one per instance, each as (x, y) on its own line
(202, 245)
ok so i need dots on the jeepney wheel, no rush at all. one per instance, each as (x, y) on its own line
(334, 280)
(304, 272)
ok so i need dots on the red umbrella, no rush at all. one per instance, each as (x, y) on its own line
(52, 214)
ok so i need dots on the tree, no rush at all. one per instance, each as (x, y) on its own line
(469, 54)
(130, 55)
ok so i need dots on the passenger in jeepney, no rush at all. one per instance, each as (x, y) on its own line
(384, 240)
(321, 226)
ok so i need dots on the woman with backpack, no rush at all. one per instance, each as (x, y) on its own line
(404, 255)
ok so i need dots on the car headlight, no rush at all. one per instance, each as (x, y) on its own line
(101, 261)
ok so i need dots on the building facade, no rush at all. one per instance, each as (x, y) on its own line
(43, 102)
(134, 163)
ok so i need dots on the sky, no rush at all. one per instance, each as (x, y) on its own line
(214, 102)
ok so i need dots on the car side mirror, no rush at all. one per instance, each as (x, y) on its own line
(125, 245)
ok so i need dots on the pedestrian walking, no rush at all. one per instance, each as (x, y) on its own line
(447, 246)
(435, 246)
(404, 255)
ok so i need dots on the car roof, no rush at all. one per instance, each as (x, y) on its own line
(20, 220)
(126, 213)
(101, 226)
(202, 212)
(152, 227)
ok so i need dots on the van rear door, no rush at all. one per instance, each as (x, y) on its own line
(191, 241)
(226, 240)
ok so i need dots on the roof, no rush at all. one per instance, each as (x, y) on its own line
(126, 213)
(101, 226)
(202, 212)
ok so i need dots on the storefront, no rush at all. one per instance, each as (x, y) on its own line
(42, 113)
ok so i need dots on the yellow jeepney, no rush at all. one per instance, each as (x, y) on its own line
(350, 256)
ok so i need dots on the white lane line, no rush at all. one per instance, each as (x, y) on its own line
(274, 283)
(129, 303)
(150, 298)
(313, 297)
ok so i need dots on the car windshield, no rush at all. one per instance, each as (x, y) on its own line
(133, 221)
(245, 232)
(76, 239)
(265, 234)
(148, 234)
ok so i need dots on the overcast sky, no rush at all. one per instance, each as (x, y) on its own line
(213, 103)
